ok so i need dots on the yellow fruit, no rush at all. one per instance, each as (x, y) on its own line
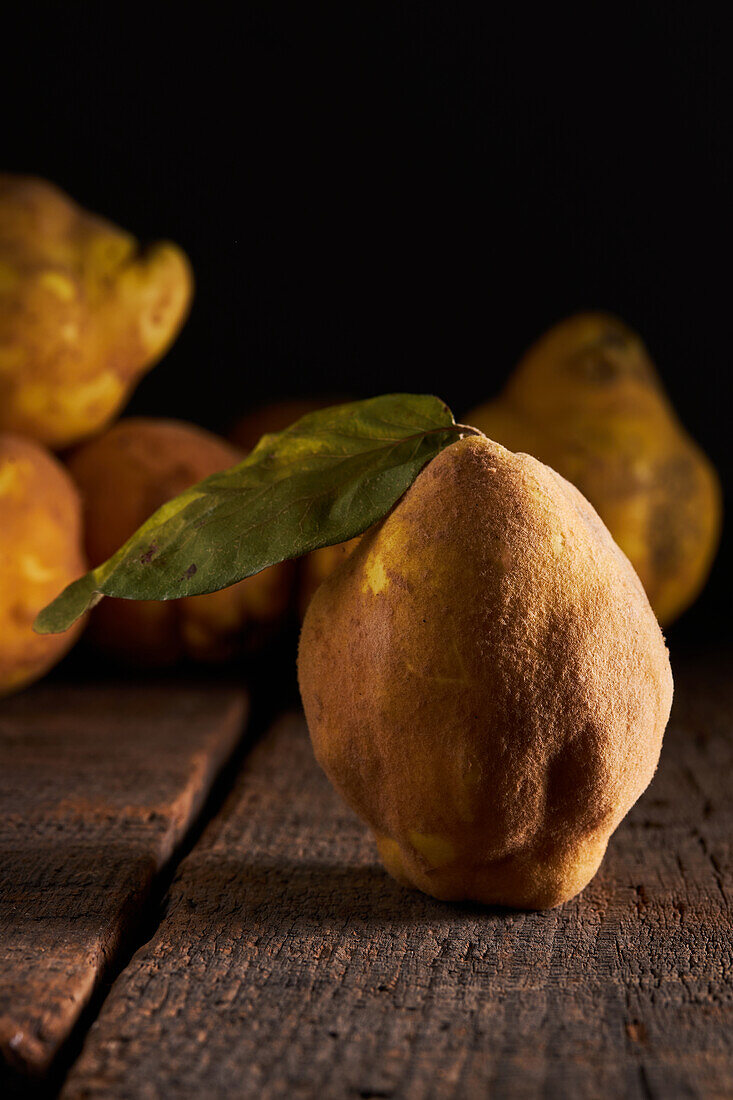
(83, 312)
(485, 682)
(40, 553)
(124, 476)
(587, 400)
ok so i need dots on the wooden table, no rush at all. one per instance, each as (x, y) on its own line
(158, 940)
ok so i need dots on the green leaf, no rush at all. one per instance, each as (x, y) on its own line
(323, 480)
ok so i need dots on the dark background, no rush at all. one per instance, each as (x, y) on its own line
(381, 199)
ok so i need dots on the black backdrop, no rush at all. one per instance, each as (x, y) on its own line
(375, 198)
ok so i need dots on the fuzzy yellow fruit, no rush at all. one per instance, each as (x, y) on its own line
(485, 682)
(83, 312)
(40, 553)
(587, 400)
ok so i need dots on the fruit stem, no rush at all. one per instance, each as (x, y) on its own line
(466, 429)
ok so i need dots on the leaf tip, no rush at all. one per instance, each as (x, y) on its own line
(69, 605)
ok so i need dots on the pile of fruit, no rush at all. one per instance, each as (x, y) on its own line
(482, 668)
(84, 314)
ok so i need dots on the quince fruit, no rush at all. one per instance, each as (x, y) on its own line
(83, 313)
(124, 476)
(40, 553)
(485, 682)
(587, 400)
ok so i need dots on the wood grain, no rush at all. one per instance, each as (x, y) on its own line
(97, 787)
(288, 965)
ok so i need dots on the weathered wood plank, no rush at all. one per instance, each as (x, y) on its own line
(97, 787)
(288, 965)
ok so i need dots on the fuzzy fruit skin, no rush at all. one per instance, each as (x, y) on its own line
(124, 476)
(587, 400)
(485, 682)
(83, 313)
(40, 553)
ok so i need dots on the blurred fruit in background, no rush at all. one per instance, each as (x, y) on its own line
(318, 565)
(40, 553)
(273, 417)
(84, 312)
(586, 399)
(124, 476)
(246, 433)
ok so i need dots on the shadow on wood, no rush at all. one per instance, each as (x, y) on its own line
(287, 964)
(98, 787)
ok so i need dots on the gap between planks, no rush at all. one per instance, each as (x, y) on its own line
(103, 791)
(287, 964)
